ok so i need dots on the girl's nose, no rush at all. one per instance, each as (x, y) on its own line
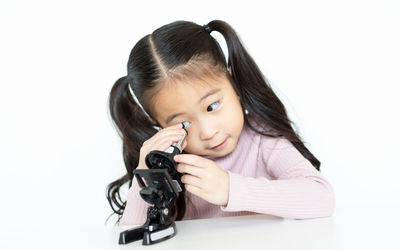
(207, 129)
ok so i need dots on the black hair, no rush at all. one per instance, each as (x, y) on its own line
(186, 49)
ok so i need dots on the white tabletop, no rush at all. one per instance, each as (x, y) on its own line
(242, 232)
(368, 228)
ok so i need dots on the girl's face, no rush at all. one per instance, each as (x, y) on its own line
(212, 108)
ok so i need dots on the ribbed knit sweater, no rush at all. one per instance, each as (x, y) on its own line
(266, 175)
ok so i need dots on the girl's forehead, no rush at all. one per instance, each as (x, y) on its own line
(190, 87)
(193, 88)
(183, 92)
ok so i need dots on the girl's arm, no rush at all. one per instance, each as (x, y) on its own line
(135, 212)
(297, 190)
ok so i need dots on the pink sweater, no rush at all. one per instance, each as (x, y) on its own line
(267, 175)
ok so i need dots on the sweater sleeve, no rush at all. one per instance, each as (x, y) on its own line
(135, 212)
(296, 190)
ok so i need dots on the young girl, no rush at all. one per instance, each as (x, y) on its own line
(241, 155)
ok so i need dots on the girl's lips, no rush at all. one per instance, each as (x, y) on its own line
(220, 146)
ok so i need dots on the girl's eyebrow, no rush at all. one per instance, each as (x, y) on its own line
(211, 92)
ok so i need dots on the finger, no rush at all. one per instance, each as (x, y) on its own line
(177, 128)
(191, 180)
(175, 131)
(178, 125)
(166, 134)
(189, 169)
(191, 159)
(193, 189)
(161, 137)
(166, 142)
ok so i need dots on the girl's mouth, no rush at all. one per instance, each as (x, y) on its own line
(220, 146)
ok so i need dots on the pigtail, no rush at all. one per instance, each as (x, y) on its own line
(256, 95)
(134, 128)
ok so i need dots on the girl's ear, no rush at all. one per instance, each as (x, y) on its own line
(229, 69)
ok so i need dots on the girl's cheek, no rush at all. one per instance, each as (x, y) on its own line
(188, 145)
(184, 144)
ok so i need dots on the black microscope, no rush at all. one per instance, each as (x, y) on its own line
(159, 186)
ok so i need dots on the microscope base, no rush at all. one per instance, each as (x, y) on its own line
(148, 234)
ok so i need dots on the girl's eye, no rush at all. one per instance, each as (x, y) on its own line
(213, 106)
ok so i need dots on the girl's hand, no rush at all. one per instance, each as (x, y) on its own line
(203, 178)
(161, 141)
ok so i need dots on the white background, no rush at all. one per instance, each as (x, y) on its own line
(335, 64)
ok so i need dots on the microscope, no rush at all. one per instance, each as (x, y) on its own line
(160, 186)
